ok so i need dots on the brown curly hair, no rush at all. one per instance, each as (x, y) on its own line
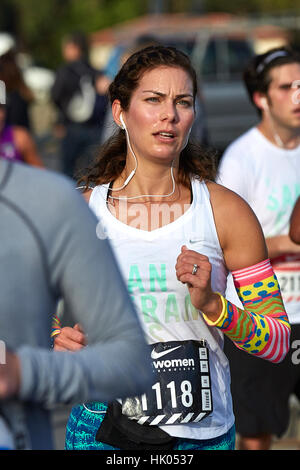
(111, 159)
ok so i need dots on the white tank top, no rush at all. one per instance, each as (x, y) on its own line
(147, 261)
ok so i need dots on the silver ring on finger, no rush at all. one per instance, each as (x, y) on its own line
(195, 269)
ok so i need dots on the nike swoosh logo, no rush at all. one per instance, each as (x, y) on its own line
(157, 355)
(195, 240)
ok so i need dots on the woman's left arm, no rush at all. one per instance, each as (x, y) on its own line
(262, 328)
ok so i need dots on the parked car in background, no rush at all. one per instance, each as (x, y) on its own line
(219, 61)
(219, 46)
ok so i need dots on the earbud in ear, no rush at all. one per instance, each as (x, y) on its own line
(187, 138)
(122, 122)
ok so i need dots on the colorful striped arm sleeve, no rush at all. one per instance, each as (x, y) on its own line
(262, 329)
(56, 326)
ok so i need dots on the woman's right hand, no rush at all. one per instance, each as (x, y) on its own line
(70, 339)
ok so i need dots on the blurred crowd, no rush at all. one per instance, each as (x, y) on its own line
(76, 94)
(67, 110)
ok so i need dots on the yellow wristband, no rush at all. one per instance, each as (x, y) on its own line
(222, 314)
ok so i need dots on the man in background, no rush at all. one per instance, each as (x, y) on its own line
(263, 166)
(80, 106)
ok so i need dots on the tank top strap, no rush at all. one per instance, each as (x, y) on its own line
(98, 199)
(198, 188)
(203, 223)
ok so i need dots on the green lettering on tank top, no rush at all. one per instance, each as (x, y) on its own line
(287, 199)
(171, 309)
(273, 203)
(134, 279)
(160, 278)
(190, 311)
(148, 306)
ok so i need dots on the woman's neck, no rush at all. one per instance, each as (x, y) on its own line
(150, 179)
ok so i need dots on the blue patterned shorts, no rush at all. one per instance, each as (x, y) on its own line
(83, 425)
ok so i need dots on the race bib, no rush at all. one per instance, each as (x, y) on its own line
(182, 390)
(287, 270)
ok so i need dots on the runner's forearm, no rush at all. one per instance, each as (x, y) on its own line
(262, 329)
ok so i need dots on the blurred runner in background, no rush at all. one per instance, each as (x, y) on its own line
(50, 250)
(16, 143)
(18, 95)
(81, 107)
(263, 166)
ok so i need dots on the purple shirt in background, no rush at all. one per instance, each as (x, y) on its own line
(8, 148)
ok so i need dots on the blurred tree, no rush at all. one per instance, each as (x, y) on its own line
(251, 6)
(229, 6)
(7, 16)
(42, 24)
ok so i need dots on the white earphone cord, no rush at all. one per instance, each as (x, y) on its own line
(133, 173)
